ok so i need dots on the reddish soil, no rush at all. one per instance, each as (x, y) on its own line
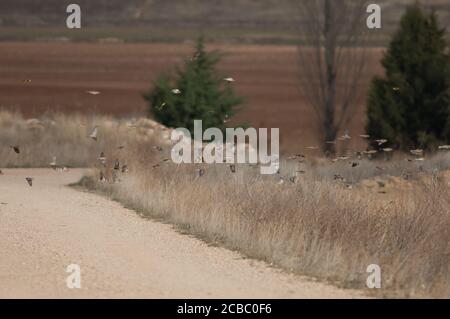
(61, 73)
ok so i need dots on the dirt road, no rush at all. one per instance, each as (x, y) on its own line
(49, 226)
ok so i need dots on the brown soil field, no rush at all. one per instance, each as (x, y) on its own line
(61, 73)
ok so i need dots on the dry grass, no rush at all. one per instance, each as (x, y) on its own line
(316, 226)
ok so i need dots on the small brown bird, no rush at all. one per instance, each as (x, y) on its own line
(15, 148)
(29, 181)
(125, 169)
(355, 164)
(116, 165)
(233, 168)
(200, 172)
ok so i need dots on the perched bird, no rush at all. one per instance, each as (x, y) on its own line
(15, 148)
(116, 165)
(233, 168)
(29, 181)
(354, 164)
(94, 133)
(124, 168)
(53, 163)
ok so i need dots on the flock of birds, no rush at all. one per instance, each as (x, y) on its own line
(418, 154)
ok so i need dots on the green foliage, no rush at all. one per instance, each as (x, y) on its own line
(204, 94)
(410, 106)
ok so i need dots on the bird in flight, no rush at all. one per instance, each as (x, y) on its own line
(53, 163)
(200, 172)
(93, 92)
(15, 148)
(417, 152)
(381, 141)
(29, 181)
(94, 133)
(102, 158)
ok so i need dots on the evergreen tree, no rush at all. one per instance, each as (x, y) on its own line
(198, 92)
(410, 106)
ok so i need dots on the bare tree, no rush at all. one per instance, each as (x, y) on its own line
(332, 59)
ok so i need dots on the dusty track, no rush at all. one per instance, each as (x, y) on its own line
(45, 228)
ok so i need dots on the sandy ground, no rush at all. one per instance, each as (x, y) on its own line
(49, 226)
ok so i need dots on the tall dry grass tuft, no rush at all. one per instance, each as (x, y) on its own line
(397, 217)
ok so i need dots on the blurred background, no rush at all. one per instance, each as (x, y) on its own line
(124, 45)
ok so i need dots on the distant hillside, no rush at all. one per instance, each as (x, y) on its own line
(173, 14)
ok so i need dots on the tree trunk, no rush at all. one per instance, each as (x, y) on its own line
(329, 125)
